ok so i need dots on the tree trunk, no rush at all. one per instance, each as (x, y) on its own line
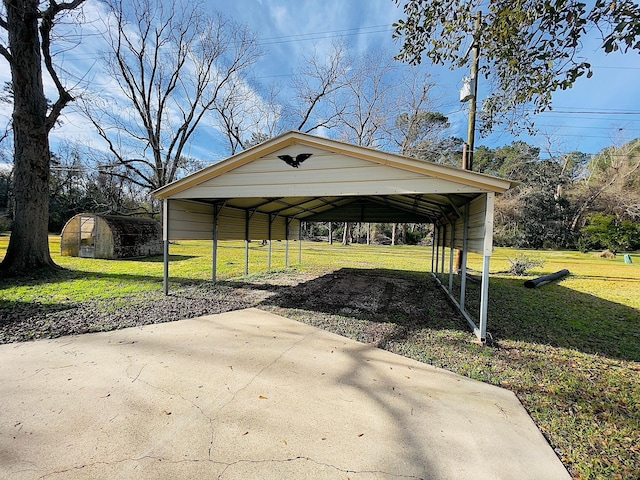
(346, 237)
(330, 233)
(29, 244)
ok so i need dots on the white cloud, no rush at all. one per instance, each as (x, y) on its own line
(292, 29)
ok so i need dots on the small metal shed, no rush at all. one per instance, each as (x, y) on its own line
(91, 235)
(266, 191)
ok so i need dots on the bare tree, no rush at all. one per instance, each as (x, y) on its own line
(244, 116)
(417, 128)
(316, 87)
(369, 100)
(247, 115)
(364, 105)
(614, 173)
(29, 26)
(173, 63)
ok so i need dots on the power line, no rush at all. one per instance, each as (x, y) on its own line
(615, 67)
(581, 127)
(349, 32)
(353, 31)
(584, 112)
(560, 107)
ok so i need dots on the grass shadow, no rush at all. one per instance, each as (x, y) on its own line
(160, 258)
(559, 316)
(61, 275)
(403, 302)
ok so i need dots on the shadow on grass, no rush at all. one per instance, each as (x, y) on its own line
(390, 305)
(408, 301)
(61, 275)
(558, 316)
(160, 258)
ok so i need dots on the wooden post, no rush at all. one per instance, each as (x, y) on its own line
(465, 166)
(475, 62)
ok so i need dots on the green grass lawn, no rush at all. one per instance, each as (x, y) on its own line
(569, 350)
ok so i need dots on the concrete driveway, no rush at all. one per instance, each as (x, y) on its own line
(251, 395)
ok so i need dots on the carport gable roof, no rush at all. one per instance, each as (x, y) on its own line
(338, 181)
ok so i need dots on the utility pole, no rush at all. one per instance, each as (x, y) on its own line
(469, 147)
(475, 60)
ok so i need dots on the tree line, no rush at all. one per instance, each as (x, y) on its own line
(572, 201)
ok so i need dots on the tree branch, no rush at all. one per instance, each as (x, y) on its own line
(6, 54)
(64, 97)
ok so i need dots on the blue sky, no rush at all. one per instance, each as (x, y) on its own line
(596, 113)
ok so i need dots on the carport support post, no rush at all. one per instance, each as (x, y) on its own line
(444, 239)
(299, 244)
(433, 247)
(286, 243)
(271, 219)
(246, 257)
(165, 239)
(246, 243)
(214, 262)
(463, 267)
(436, 238)
(488, 250)
(451, 245)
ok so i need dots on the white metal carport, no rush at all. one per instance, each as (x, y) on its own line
(263, 193)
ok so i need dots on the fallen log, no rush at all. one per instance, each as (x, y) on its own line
(540, 281)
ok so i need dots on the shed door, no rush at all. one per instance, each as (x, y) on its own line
(87, 237)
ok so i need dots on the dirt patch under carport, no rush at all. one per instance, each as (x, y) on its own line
(371, 306)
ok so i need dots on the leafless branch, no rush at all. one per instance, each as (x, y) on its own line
(173, 61)
(47, 23)
(315, 85)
